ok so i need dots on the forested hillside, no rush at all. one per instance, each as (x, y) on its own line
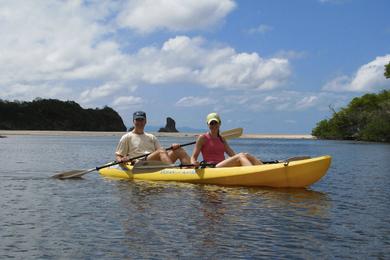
(53, 114)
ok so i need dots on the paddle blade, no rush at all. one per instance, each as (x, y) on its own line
(72, 174)
(233, 133)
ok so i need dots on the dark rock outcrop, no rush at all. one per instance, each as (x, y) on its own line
(170, 126)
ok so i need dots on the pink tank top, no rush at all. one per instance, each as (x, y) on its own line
(213, 149)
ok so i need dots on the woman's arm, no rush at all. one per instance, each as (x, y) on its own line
(198, 147)
(228, 149)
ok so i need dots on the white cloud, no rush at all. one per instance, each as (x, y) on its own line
(103, 91)
(55, 43)
(262, 28)
(340, 83)
(290, 121)
(297, 101)
(146, 16)
(190, 60)
(245, 71)
(58, 48)
(288, 101)
(333, 1)
(307, 102)
(126, 102)
(369, 77)
(290, 54)
(49, 38)
(194, 101)
(22, 92)
(273, 101)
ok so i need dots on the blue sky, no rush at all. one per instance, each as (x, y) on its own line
(267, 66)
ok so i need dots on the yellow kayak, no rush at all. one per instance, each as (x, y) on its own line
(301, 173)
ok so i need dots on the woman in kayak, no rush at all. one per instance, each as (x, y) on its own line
(213, 148)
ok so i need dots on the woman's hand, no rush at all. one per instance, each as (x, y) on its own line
(195, 163)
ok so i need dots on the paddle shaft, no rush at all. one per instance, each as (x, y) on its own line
(147, 168)
(192, 165)
(233, 133)
(78, 174)
(134, 158)
(173, 166)
(137, 157)
(291, 159)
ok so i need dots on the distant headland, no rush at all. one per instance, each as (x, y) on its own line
(53, 114)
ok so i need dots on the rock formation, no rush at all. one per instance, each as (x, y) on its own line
(170, 126)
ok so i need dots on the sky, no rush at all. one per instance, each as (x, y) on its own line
(275, 66)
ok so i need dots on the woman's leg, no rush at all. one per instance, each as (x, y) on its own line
(253, 159)
(240, 159)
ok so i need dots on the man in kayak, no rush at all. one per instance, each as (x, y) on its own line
(138, 142)
(213, 148)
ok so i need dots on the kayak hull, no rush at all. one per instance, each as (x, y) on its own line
(295, 174)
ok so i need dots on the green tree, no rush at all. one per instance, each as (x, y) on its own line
(365, 118)
(387, 70)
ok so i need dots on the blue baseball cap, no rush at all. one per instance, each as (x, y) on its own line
(139, 115)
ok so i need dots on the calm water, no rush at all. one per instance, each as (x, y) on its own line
(345, 215)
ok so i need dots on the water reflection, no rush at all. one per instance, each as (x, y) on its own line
(212, 199)
(304, 201)
(211, 219)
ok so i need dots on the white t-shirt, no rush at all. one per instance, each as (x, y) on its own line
(133, 145)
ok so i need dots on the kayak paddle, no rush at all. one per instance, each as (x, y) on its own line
(291, 159)
(147, 166)
(229, 134)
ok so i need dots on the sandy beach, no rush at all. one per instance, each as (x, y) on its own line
(5, 133)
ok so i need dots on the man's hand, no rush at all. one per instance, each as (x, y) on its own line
(175, 146)
(123, 159)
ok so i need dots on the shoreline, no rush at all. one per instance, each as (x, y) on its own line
(5, 133)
